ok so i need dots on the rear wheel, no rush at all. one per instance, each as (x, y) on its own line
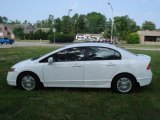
(123, 83)
(28, 81)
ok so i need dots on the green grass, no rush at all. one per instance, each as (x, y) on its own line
(33, 41)
(75, 104)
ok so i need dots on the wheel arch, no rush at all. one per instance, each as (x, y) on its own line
(18, 77)
(125, 73)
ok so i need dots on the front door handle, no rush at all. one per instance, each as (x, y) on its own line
(111, 64)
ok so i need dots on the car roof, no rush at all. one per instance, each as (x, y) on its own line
(91, 44)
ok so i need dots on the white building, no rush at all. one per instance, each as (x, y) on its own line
(88, 36)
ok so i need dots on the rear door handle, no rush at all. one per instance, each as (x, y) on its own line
(77, 66)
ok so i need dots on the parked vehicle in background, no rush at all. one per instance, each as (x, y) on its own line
(6, 35)
(6, 41)
(102, 40)
(86, 65)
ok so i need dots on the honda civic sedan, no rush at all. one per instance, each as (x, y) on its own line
(84, 65)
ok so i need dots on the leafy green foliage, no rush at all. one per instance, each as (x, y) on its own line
(3, 19)
(148, 25)
(61, 38)
(58, 25)
(133, 38)
(66, 25)
(37, 35)
(124, 26)
(82, 24)
(96, 22)
(19, 32)
(47, 23)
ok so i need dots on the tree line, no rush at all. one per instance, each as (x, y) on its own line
(93, 22)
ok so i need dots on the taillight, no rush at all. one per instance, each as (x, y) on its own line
(149, 66)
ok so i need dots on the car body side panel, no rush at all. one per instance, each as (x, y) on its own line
(100, 72)
(63, 73)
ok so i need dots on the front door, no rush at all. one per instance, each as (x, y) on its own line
(66, 70)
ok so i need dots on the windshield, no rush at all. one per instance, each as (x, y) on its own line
(35, 58)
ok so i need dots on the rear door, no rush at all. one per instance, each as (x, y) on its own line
(100, 65)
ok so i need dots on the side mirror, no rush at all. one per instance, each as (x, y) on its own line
(50, 60)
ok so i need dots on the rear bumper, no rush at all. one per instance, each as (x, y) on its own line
(145, 80)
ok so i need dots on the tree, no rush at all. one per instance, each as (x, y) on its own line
(66, 25)
(75, 23)
(124, 26)
(133, 38)
(47, 23)
(50, 21)
(19, 32)
(82, 24)
(15, 22)
(107, 32)
(148, 25)
(96, 22)
(3, 20)
(58, 24)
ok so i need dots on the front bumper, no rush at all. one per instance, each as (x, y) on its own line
(12, 78)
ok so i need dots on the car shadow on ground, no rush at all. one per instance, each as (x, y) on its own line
(75, 89)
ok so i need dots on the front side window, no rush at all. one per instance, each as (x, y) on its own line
(102, 53)
(71, 54)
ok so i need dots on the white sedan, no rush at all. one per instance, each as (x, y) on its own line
(87, 65)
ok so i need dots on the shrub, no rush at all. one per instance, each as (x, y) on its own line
(133, 38)
(61, 38)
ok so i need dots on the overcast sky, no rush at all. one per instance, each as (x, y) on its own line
(34, 10)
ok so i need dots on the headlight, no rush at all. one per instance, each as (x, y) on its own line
(12, 70)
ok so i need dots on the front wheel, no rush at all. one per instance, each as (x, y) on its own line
(28, 81)
(123, 84)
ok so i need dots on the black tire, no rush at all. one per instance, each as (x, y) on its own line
(28, 81)
(123, 83)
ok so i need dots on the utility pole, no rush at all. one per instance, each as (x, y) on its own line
(112, 22)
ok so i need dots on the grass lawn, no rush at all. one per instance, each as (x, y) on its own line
(140, 46)
(75, 104)
(33, 41)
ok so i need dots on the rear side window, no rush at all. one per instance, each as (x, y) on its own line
(102, 53)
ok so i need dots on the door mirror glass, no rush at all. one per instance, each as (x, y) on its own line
(50, 60)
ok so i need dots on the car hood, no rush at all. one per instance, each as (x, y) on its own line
(27, 62)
